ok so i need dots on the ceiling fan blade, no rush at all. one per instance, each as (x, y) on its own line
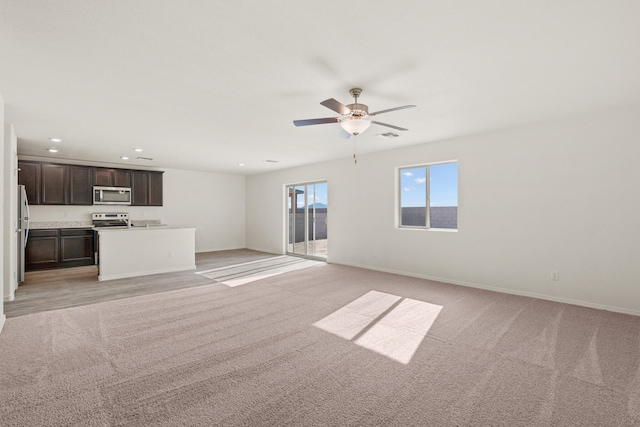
(308, 122)
(391, 109)
(388, 125)
(345, 134)
(336, 106)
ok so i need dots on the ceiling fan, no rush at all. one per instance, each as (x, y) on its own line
(354, 118)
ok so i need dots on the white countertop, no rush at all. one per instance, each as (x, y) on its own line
(39, 225)
(151, 227)
(135, 224)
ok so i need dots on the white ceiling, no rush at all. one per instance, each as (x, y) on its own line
(205, 85)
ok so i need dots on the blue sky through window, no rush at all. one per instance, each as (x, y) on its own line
(414, 187)
(319, 197)
(443, 186)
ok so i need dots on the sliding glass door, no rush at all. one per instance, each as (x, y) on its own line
(307, 219)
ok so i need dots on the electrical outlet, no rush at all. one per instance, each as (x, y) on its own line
(555, 275)
(170, 254)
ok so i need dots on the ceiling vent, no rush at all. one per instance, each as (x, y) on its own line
(144, 158)
(389, 135)
(271, 161)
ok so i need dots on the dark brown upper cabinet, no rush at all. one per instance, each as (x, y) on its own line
(62, 184)
(139, 188)
(121, 177)
(106, 177)
(80, 185)
(146, 188)
(54, 187)
(102, 177)
(155, 188)
(29, 176)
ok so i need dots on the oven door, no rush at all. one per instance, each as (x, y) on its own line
(95, 246)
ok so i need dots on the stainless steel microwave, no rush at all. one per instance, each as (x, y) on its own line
(111, 195)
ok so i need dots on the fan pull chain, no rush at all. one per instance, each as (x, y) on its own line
(355, 149)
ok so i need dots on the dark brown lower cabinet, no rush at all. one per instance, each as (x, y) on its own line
(42, 251)
(59, 248)
(76, 247)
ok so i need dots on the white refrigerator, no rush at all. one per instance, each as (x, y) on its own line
(22, 230)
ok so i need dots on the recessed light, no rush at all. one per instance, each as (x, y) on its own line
(240, 164)
(55, 140)
(138, 150)
(124, 157)
(52, 150)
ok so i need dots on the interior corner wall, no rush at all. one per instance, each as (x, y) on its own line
(10, 212)
(557, 196)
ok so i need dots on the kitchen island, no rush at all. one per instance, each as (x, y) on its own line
(140, 251)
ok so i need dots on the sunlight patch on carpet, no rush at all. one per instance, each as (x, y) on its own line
(247, 272)
(387, 324)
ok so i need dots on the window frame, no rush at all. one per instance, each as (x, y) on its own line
(399, 190)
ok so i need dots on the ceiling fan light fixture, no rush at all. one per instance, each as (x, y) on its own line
(355, 126)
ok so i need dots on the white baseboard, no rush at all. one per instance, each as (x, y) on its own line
(218, 249)
(502, 290)
(2, 319)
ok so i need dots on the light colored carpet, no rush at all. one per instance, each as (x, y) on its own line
(274, 352)
(247, 272)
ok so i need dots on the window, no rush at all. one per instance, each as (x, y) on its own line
(429, 196)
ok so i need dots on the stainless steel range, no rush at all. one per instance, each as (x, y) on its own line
(106, 220)
(111, 220)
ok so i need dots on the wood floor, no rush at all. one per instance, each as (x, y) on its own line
(72, 287)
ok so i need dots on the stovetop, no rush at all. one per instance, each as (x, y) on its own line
(110, 220)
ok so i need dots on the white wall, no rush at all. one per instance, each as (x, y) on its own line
(3, 255)
(10, 213)
(213, 203)
(557, 196)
